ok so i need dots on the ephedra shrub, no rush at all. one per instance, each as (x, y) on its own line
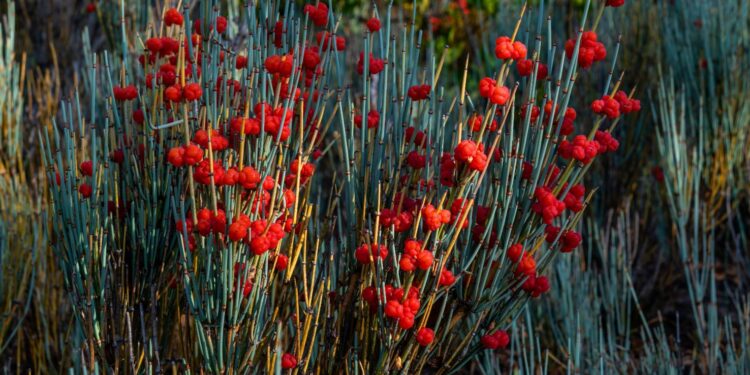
(256, 194)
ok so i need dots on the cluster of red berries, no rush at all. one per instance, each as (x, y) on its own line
(288, 361)
(260, 235)
(416, 136)
(505, 49)
(208, 222)
(190, 92)
(367, 253)
(569, 239)
(221, 25)
(373, 24)
(497, 340)
(324, 38)
(606, 142)
(497, 94)
(400, 221)
(580, 148)
(416, 160)
(590, 51)
(475, 123)
(399, 305)
(172, 17)
(434, 218)
(185, 155)
(318, 14)
(547, 205)
(447, 170)
(373, 119)
(126, 93)
(526, 68)
(375, 65)
(468, 151)
(425, 336)
(536, 285)
(627, 105)
(568, 117)
(606, 106)
(419, 92)
(280, 65)
(414, 257)
(574, 199)
(218, 142)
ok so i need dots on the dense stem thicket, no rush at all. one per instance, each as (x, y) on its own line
(264, 188)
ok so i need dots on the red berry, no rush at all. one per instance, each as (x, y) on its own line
(172, 17)
(446, 278)
(419, 92)
(221, 24)
(425, 336)
(192, 92)
(85, 190)
(505, 49)
(86, 168)
(514, 252)
(288, 361)
(373, 24)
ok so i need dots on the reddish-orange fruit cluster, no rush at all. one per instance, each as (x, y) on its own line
(489, 88)
(434, 218)
(375, 65)
(172, 17)
(125, 93)
(590, 51)
(414, 257)
(606, 106)
(373, 24)
(468, 151)
(373, 118)
(580, 148)
(318, 14)
(399, 305)
(425, 336)
(419, 92)
(627, 105)
(506, 49)
(288, 361)
(547, 205)
(526, 68)
(365, 254)
(498, 339)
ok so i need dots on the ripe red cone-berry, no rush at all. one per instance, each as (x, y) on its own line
(505, 49)
(85, 190)
(373, 24)
(373, 118)
(425, 336)
(192, 92)
(606, 106)
(318, 14)
(434, 218)
(86, 168)
(365, 254)
(590, 50)
(288, 361)
(446, 278)
(499, 339)
(526, 69)
(419, 92)
(172, 17)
